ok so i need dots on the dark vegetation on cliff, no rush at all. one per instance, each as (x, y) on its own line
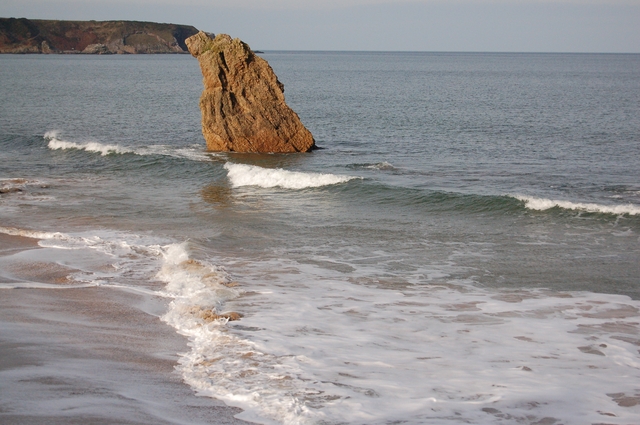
(94, 37)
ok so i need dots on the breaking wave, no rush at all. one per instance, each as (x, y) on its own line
(56, 143)
(542, 204)
(251, 175)
(194, 153)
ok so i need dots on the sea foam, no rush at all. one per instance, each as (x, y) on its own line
(323, 350)
(251, 175)
(193, 153)
(219, 362)
(542, 204)
(100, 257)
(34, 234)
(315, 348)
(56, 143)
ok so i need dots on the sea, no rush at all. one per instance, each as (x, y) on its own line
(464, 247)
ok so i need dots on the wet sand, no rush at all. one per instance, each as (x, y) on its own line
(91, 355)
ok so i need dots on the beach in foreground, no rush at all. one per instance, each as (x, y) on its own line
(90, 354)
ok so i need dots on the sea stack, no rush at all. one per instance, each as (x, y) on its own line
(243, 106)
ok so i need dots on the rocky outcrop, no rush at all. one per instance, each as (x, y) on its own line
(243, 106)
(92, 37)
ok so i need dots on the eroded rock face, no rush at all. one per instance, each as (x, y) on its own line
(243, 106)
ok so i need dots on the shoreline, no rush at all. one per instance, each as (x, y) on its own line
(95, 355)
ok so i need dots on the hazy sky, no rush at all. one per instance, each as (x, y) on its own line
(425, 25)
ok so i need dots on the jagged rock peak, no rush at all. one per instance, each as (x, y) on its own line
(243, 106)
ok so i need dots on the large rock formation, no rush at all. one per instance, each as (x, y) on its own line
(243, 106)
(93, 37)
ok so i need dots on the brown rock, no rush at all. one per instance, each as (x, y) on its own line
(243, 106)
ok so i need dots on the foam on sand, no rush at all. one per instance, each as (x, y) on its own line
(431, 354)
(314, 347)
(220, 363)
(97, 258)
(94, 355)
(34, 234)
(542, 204)
(251, 175)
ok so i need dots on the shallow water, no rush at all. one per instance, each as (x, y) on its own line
(465, 248)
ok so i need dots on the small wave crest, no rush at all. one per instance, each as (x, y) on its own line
(193, 153)
(542, 204)
(383, 166)
(56, 143)
(251, 175)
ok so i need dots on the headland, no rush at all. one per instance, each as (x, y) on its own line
(24, 35)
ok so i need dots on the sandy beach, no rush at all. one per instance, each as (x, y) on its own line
(89, 355)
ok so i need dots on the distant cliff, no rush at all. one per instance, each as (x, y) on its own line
(91, 37)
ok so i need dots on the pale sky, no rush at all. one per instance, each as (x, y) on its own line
(387, 25)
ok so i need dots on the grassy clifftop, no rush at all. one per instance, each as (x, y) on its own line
(94, 37)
